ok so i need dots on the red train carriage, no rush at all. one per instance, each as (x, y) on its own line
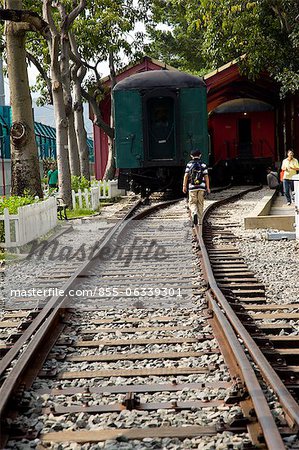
(242, 125)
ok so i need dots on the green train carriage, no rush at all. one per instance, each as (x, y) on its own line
(160, 116)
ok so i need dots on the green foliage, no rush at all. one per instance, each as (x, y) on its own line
(194, 36)
(204, 35)
(50, 192)
(104, 26)
(14, 202)
(40, 87)
(79, 183)
(78, 212)
(170, 38)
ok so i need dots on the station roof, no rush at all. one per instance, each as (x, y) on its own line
(228, 83)
(44, 130)
(243, 105)
(159, 78)
(145, 64)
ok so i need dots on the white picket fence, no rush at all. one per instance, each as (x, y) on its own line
(100, 190)
(31, 222)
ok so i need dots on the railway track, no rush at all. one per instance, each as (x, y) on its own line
(265, 327)
(18, 312)
(133, 361)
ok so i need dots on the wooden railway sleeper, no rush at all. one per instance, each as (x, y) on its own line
(237, 393)
(131, 401)
(58, 356)
(14, 337)
(236, 427)
(239, 420)
(48, 373)
(229, 294)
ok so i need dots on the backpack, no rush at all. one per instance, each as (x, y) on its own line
(196, 173)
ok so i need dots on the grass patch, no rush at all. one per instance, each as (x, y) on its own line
(109, 201)
(75, 213)
(83, 212)
(10, 257)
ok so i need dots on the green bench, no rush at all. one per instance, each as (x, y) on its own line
(61, 208)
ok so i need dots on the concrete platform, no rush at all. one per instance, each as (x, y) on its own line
(272, 212)
(279, 207)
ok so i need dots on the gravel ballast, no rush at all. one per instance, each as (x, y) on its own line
(253, 246)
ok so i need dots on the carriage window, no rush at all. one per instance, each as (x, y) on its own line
(161, 127)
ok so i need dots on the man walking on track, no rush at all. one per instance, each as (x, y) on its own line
(197, 180)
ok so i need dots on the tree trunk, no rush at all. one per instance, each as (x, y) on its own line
(73, 145)
(66, 83)
(78, 72)
(111, 167)
(81, 131)
(97, 115)
(24, 154)
(64, 174)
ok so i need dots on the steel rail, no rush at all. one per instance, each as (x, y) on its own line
(289, 404)
(41, 326)
(54, 301)
(265, 418)
(45, 318)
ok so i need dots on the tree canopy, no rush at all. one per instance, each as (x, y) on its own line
(103, 28)
(206, 34)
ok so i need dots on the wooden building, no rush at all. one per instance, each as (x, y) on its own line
(247, 118)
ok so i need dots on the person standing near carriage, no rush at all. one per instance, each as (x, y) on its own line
(196, 180)
(290, 167)
(273, 180)
(53, 177)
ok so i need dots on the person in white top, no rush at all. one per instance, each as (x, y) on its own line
(290, 166)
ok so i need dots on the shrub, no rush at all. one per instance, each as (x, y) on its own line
(13, 203)
(79, 183)
(94, 183)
